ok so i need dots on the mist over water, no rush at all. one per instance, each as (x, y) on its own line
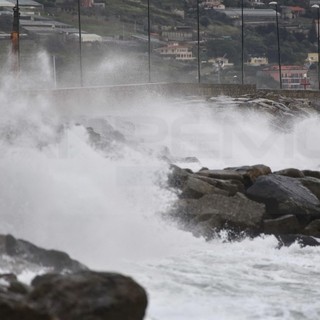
(103, 200)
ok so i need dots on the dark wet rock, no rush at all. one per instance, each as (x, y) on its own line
(14, 307)
(89, 295)
(195, 188)
(178, 177)
(289, 239)
(221, 174)
(285, 195)
(229, 199)
(313, 184)
(288, 224)
(84, 295)
(231, 186)
(311, 173)
(313, 229)
(214, 212)
(23, 250)
(290, 172)
(251, 173)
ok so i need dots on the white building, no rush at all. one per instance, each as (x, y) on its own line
(176, 51)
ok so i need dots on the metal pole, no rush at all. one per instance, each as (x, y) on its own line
(80, 43)
(198, 22)
(54, 71)
(279, 54)
(15, 37)
(242, 44)
(318, 35)
(149, 43)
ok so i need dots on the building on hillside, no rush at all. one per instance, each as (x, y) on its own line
(292, 76)
(85, 37)
(179, 33)
(6, 6)
(257, 61)
(221, 62)
(176, 51)
(251, 16)
(212, 4)
(87, 3)
(42, 27)
(28, 7)
(290, 12)
(312, 57)
(256, 3)
(179, 13)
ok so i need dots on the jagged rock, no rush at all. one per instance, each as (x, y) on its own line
(237, 213)
(289, 239)
(195, 188)
(89, 295)
(251, 173)
(313, 229)
(311, 173)
(221, 174)
(231, 186)
(177, 177)
(285, 195)
(290, 172)
(207, 226)
(23, 250)
(80, 296)
(288, 224)
(313, 184)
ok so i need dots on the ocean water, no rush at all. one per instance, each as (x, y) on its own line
(103, 199)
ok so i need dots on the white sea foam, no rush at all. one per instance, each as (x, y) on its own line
(104, 204)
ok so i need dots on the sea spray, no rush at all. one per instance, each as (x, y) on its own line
(104, 204)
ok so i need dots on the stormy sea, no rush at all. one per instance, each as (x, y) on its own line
(91, 180)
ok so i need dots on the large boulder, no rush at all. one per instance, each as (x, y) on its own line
(313, 229)
(290, 172)
(313, 184)
(214, 212)
(178, 177)
(89, 295)
(251, 173)
(285, 195)
(22, 250)
(311, 173)
(85, 295)
(195, 188)
(231, 186)
(221, 174)
(288, 224)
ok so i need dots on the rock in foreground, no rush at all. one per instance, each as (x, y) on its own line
(84, 295)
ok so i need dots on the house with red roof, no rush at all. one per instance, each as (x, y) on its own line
(293, 77)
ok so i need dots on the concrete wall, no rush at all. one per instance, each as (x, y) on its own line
(87, 95)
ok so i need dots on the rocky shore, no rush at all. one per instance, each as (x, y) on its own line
(67, 291)
(249, 201)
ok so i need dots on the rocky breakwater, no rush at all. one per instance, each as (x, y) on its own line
(67, 291)
(249, 201)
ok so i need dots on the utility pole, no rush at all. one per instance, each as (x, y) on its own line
(15, 38)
